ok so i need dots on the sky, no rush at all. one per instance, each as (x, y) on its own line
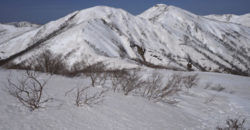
(43, 11)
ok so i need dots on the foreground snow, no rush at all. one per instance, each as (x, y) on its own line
(199, 108)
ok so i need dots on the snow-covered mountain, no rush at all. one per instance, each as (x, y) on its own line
(238, 19)
(163, 35)
(23, 24)
(9, 31)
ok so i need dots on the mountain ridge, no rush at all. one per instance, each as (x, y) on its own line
(163, 35)
(237, 19)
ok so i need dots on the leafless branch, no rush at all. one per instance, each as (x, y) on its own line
(28, 90)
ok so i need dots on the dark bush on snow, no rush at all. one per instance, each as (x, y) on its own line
(233, 124)
(29, 90)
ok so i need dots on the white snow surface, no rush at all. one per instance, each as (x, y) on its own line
(10, 31)
(238, 19)
(199, 108)
(168, 34)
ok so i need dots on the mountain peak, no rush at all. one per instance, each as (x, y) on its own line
(98, 12)
(161, 12)
(160, 6)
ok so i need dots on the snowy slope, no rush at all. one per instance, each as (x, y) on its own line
(200, 108)
(207, 42)
(238, 19)
(170, 36)
(9, 31)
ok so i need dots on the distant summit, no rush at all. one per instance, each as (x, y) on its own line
(23, 24)
(238, 19)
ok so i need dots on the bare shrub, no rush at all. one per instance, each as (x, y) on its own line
(97, 78)
(156, 91)
(85, 97)
(28, 90)
(78, 67)
(169, 89)
(50, 63)
(117, 77)
(218, 88)
(45, 62)
(97, 67)
(126, 81)
(131, 82)
(93, 76)
(95, 72)
(233, 124)
(210, 99)
(190, 81)
(152, 88)
(102, 78)
(208, 85)
(153, 83)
